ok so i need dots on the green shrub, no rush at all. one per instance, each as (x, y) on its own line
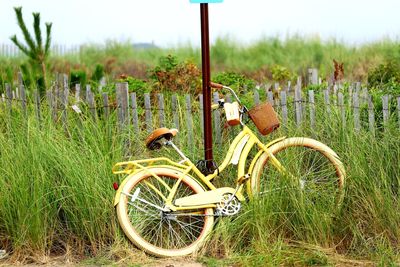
(78, 77)
(137, 85)
(385, 75)
(172, 75)
(98, 73)
(281, 73)
(235, 80)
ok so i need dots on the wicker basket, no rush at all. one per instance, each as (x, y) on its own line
(264, 117)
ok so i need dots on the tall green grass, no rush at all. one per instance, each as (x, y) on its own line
(283, 230)
(56, 188)
(56, 197)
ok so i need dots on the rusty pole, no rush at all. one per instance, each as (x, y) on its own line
(205, 57)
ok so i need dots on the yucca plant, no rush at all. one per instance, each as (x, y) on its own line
(35, 49)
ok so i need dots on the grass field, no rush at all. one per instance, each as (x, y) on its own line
(56, 200)
(256, 60)
(56, 189)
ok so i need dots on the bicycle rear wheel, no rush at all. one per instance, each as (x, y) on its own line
(143, 218)
(310, 167)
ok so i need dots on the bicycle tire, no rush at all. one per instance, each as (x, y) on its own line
(157, 233)
(296, 154)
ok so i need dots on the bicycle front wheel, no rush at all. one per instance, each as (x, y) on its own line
(308, 165)
(145, 221)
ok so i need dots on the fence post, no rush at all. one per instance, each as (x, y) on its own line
(335, 93)
(77, 92)
(92, 105)
(385, 110)
(256, 97)
(106, 117)
(135, 119)
(88, 90)
(270, 96)
(22, 94)
(189, 122)
(148, 115)
(299, 83)
(275, 93)
(9, 98)
(312, 108)
(342, 110)
(364, 96)
(356, 110)
(175, 111)
(298, 106)
(313, 76)
(123, 116)
(161, 114)
(371, 115)
(217, 121)
(201, 116)
(49, 97)
(64, 103)
(284, 108)
(123, 105)
(358, 87)
(350, 96)
(327, 103)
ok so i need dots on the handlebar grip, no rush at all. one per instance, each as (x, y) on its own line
(216, 85)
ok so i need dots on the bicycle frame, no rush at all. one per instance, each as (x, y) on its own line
(237, 154)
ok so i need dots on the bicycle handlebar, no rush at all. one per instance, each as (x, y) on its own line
(216, 85)
(220, 86)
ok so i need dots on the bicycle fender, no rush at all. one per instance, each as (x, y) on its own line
(253, 162)
(255, 159)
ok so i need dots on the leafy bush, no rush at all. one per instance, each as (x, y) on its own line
(170, 74)
(98, 73)
(385, 76)
(78, 77)
(235, 80)
(136, 85)
(281, 73)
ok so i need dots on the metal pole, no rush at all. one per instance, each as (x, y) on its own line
(205, 54)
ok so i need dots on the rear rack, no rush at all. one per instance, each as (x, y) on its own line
(128, 167)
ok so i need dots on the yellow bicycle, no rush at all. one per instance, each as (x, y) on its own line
(167, 208)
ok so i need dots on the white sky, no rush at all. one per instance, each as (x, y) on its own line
(174, 22)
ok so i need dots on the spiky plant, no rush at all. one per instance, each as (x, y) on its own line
(34, 47)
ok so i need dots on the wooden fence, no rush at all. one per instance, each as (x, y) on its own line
(352, 107)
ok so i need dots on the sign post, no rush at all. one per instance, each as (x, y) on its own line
(205, 59)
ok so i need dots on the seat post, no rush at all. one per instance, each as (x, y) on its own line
(170, 143)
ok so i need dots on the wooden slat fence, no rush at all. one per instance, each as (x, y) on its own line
(296, 109)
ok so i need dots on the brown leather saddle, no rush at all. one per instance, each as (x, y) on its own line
(154, 140)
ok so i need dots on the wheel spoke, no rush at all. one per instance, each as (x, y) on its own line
(307, 168)
(158, 226)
